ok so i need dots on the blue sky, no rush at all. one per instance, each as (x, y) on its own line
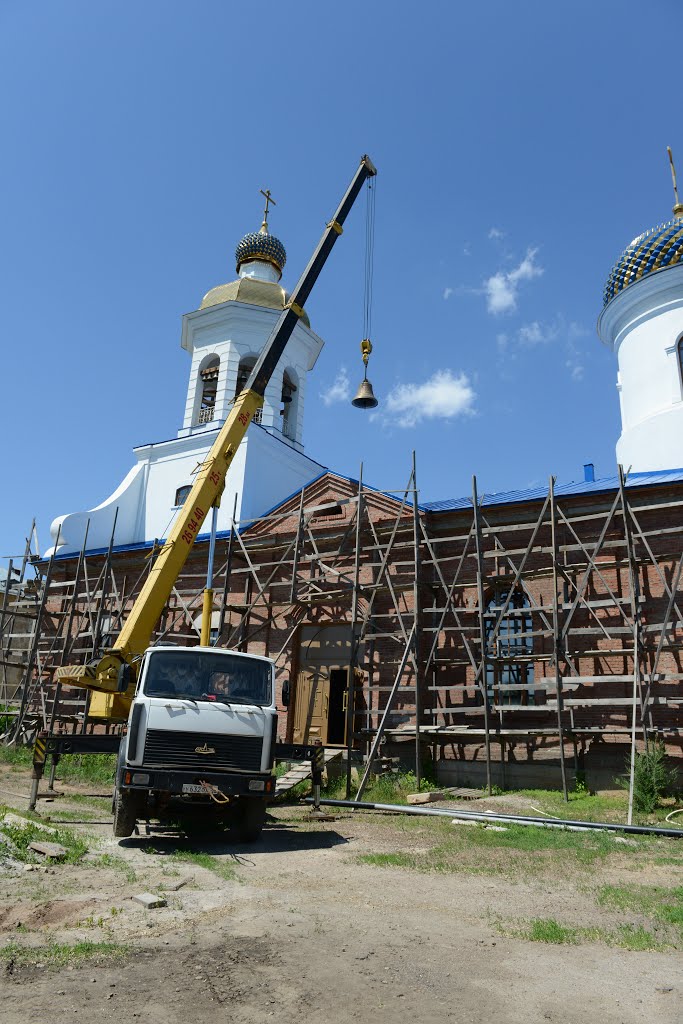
(520, 147)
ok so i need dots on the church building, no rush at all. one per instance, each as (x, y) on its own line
(519, 638)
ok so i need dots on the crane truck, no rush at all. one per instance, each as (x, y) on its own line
(202, 721)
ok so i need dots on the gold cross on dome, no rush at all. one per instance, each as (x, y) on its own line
(269, 200)
(678, 207)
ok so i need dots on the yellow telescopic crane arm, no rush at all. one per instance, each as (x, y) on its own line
(103, 675)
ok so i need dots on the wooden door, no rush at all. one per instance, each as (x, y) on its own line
(311, 706)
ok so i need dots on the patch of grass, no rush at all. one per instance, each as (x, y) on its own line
(110, 860)
(56, 954)
(383, 789)
(94, 768)
(519, 853)
(586, 846)
(640, 898)
(663, 904)
(547, 929)
(301, 790)
(462, 850)
(6, 720)
(582, 805)
(390, 860)
(635, 937)
(16, 757)
(67, 816)
(662, 929)
(21, 836)
(102, 803)
(201, 859)
(672, 913)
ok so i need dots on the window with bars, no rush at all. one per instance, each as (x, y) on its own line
(509, 666)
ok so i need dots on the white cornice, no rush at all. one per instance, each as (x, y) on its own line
(654, 294)
(245, 314)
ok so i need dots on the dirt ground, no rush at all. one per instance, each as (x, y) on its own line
(300, 928)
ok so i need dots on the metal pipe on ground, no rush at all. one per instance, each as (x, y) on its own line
(510, 819)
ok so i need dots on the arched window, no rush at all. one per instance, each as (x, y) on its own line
(209, 378)
(181, 494)
(289, 406)
(510, 647)
(247, 364)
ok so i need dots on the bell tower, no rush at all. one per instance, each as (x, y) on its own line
(223, 339)
(642, 322)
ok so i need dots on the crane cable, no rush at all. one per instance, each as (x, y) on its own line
(369, 256)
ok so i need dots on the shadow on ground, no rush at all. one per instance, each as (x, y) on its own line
(277, 837)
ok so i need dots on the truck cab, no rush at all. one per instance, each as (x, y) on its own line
(201, 736)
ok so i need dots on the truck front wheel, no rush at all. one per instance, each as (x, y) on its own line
(249, 815)
(125, 814)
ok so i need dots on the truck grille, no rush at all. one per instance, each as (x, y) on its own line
(167, 749)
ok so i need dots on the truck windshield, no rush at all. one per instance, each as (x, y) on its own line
(206, 676)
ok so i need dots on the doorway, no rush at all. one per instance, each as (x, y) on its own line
(322, 685)
(338, 703)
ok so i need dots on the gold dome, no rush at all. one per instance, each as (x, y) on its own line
(249, 290)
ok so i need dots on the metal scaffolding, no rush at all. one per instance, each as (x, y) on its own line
(549, 621)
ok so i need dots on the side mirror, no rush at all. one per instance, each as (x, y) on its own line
(285, 693)
(124, 678)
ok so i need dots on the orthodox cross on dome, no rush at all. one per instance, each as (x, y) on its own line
(269, 200)
(678, 208)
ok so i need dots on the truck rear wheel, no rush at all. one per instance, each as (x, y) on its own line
(125, 814)
(249, 815)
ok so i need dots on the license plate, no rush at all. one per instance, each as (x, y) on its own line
(189, 787)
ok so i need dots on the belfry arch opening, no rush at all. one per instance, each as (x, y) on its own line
(290, 404)
(247, 364)
(208, 382)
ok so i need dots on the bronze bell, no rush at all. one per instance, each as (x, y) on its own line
(365, 398)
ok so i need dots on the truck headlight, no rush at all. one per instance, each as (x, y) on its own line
(140, 779)
(257, 785)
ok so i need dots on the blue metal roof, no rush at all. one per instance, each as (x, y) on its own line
(516, 497)
(585, 487)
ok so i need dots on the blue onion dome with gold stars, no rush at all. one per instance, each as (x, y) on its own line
(654, 250)
(261, 245)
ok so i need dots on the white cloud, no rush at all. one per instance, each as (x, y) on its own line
(502, 288)
(575, 330)
(496, 234)
(574, 362)
(562, 334)
(537, 333)
(447, 292)
(339, 390)
(500, 297)
(444, 396)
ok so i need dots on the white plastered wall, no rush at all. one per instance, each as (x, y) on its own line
(267, 467)
(643, 325)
